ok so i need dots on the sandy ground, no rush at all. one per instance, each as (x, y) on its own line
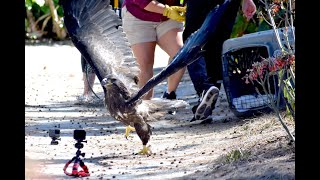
(225, 148)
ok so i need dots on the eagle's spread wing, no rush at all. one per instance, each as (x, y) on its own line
(96, 31)
(191, 50)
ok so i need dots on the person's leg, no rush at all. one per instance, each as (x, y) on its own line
(88, 83)
(171, 43)
(214, 46)
(198, 75)
(197, 11)
(142, 37)
(213, 60)
(210, 71)
(169, 38)
(88, 77)
(144, 53)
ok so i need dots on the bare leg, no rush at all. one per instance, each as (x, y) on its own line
(171, 42)
(88, 82)
(144, 53)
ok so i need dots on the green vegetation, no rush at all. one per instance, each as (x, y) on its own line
(43, 19)
(236, 155)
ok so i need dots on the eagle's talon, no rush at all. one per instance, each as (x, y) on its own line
(145, 150)
(128, 130)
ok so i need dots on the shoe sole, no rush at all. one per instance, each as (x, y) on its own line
(204, 109)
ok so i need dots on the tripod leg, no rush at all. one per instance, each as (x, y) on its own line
(66, 166)
(85, 171)
(75, 167)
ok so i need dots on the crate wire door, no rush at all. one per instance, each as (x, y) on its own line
(242, 97)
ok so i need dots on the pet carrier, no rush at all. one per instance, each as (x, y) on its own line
(237, 57)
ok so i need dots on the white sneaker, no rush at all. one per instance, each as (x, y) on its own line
(84, 99)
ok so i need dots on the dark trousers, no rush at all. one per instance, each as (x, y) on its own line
(207, 70)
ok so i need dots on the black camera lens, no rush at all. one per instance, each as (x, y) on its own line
(79, 135)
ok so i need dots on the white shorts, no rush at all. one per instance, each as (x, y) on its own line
(140, 31)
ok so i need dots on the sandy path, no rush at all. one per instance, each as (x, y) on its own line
(181, 149)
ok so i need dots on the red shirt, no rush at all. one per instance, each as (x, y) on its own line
(136, 8)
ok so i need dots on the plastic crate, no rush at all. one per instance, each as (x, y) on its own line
(237, 57)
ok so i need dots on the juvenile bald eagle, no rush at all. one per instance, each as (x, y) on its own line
(95, 30)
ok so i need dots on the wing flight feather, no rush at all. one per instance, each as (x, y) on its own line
(96, 31)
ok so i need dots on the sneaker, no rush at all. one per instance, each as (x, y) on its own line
(172, 95)
(89, 100)
(83, 99)
(207, 103)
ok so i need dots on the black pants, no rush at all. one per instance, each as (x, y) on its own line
(207, 71)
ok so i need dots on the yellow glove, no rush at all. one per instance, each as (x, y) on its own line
(177, 13)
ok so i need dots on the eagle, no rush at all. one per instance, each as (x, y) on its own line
(96, 31)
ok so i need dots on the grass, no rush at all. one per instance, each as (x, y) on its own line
(236, 154)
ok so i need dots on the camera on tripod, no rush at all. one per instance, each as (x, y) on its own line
(79, 136)
(54, 134)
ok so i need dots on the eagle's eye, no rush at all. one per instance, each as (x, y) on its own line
(112, 80)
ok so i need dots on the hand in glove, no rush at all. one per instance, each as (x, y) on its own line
(175, 12)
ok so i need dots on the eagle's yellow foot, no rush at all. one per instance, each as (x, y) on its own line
(145, 150)
(128, 130)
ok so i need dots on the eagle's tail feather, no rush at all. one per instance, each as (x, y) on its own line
(157, 104)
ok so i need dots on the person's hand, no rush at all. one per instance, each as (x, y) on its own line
(248, 8)
(177, 13)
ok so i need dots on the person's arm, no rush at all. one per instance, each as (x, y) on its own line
(151, 5)
(155, 6)
(173, 12)
(248, 8)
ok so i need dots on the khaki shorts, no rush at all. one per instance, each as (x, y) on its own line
(139, 31)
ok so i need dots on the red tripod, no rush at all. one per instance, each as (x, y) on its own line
(77, 162)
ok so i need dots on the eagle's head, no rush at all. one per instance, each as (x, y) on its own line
(115, 88)
(109, 81)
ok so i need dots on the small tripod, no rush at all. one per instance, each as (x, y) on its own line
(77, 161)
(54, 141)
(54, 134)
